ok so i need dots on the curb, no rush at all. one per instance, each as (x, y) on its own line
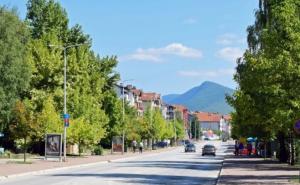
(39, 172)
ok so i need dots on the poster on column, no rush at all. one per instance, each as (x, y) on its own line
(53, 145)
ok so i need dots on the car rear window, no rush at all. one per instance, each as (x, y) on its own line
(209, 146)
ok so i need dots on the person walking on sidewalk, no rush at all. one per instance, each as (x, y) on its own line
(134, 145)
(141, 146)
(236, 147)
(241, 148)
(249, 148)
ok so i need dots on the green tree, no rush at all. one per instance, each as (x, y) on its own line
(15, 70)
(48, 120)
(47, 16)
(23, 126)
(87, 74)
(180, 132)
(267, 102)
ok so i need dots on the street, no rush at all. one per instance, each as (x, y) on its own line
(169, 167)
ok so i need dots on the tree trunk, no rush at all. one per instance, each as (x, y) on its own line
(79, 148)
(292, 150)
(25, 148)
(283, 155)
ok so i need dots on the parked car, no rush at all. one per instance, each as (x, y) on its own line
(190, 148)
(209, 150)
(160, 144)
(185, 142)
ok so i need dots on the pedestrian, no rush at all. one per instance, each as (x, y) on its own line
(134, 145)
(236, 147)
(141, 146)
(249, 148)
(241, 148)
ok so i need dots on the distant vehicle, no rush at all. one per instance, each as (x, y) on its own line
(160, 144)
(186, 142)
(209, 150)
(206, 138)
(190, 148)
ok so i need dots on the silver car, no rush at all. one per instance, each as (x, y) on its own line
(209, 150)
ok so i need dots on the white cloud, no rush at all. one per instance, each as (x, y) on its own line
(207, 73)
(230, 53)
(190, 21)
(158, 54)
(230, 39)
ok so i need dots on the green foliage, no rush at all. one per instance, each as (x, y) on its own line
(180, 132)
(47, 16)
(23, 126)
(14, 67)
(195, 125)
(84, 134)
(48, 120)
(98, 150)
(267, 100)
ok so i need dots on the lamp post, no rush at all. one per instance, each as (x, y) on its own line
(66, 116)
(195, 127)
(123, 113)
(175, 136)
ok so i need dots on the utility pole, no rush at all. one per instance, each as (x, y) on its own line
(195, 127)
(66, 116)
(175, 137)
(123, 114)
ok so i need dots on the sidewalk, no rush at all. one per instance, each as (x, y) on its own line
(244, 170)
(40, 166)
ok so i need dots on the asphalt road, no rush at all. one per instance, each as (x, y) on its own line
(170, 167)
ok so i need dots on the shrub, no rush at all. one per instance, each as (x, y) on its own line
(98, 150)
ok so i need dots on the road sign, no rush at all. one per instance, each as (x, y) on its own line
(66, 121)
(297, 127)
(66, 116)
(67, 124)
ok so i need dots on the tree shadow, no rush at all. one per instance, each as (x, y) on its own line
(146, 179)
(253, 179)
(257, 164)
(189, 165)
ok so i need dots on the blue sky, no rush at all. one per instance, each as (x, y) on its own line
(166, 46)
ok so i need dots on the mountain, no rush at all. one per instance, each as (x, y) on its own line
(208, 97)
(170, 97)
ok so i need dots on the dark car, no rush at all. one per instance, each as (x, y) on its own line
(209, 150)
(190, 148)
(160, 144)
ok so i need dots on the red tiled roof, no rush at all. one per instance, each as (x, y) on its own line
(150, 96)
(208, 117)
(180, 108)
(227, 117)
(136, 91)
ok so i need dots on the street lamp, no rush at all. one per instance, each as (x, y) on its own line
(66, 116)
(175, 136)
(123, 112)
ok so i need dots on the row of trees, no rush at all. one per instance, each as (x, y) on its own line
(267, 102)
(31, 85)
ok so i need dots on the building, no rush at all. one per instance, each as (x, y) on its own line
(214, 121)
(182, 113)
(138, 103)
(170, 112)
(208, 121)
(125, 91)
(151, 100)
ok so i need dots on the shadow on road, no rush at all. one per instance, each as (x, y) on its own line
(146, 179)
(253, 179)
(175, 164)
